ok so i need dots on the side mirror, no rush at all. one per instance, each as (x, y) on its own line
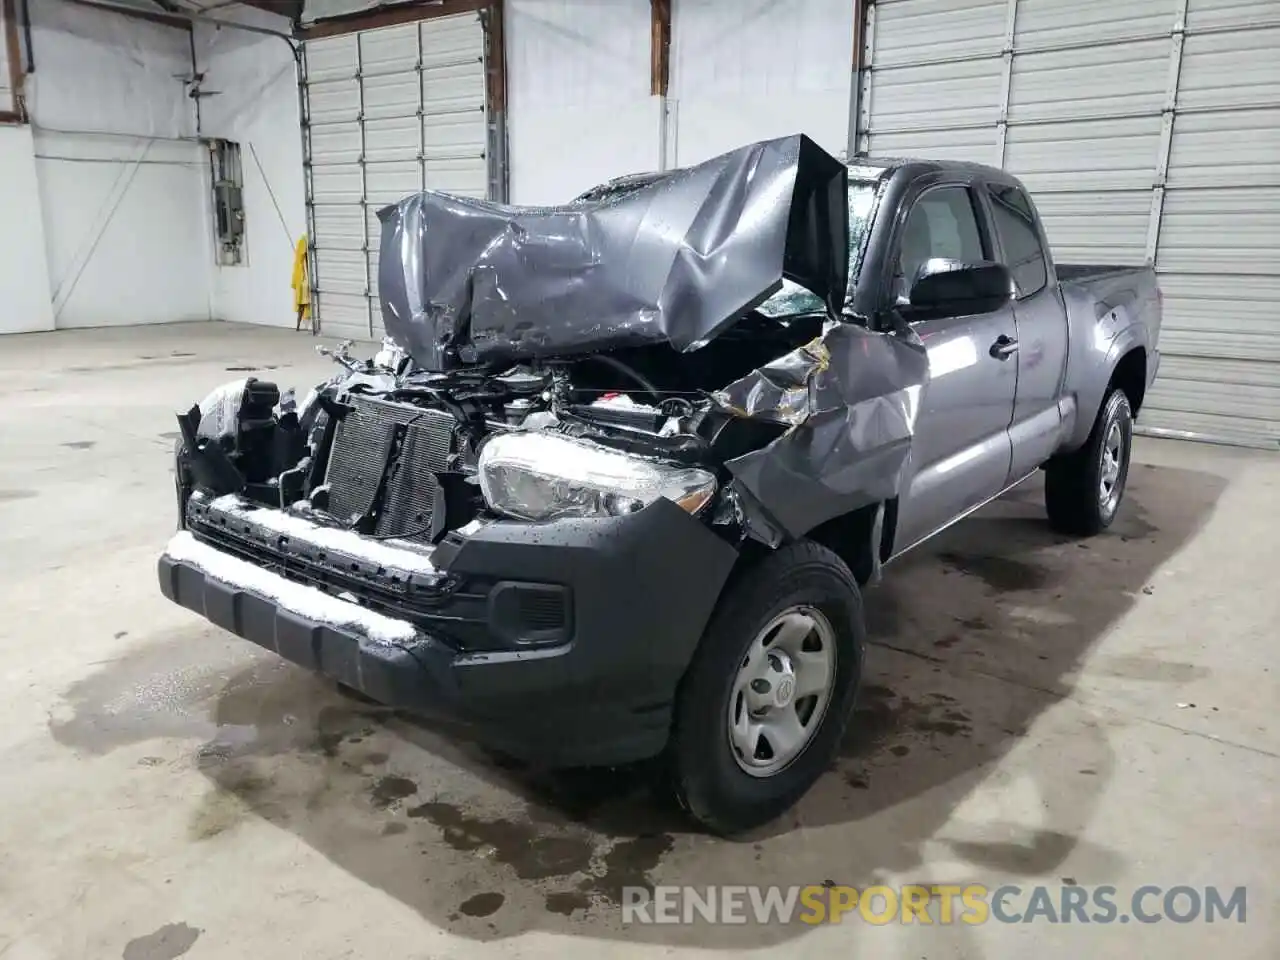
(952, 288)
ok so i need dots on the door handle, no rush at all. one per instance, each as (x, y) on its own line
(1004, 347)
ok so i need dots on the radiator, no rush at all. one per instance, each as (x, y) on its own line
(355, 465)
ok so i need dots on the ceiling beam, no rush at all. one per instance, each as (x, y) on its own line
(285, 8)
(390, 16)
(168, 20)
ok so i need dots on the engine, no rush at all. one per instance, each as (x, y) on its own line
(393, 452)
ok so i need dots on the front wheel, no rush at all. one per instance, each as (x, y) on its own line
(1082, 491)
(761, 712)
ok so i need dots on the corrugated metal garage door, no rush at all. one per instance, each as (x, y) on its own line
(390, 112)
(1149, 130)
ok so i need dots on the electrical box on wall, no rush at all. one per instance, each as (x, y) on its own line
(228, 202)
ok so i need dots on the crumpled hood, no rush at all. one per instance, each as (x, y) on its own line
(678, 260)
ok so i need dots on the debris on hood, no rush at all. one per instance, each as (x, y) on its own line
(677, 259)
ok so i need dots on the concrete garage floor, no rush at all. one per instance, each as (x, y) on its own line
(1036, 709)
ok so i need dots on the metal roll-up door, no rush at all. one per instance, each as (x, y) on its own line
(1218, 250)
(390, 111)
(1149, 131)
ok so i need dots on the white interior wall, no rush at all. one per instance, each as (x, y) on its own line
(121, 179)
(256, 104)
(24, 279)
(131, 241)
(579, 109)
(745, 70)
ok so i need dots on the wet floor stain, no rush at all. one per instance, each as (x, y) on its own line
(883, 718)
(80, 444)
(567, 902)
(482, 905)
(883, 614)
(17, 495)
(391, 789)
(948, 727)
(1133, 523)
(146, 693)
(1000, 573)
(169, 942)
(394, 828)
(628, 863)
(519, 844)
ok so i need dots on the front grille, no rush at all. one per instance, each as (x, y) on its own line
(356, 464)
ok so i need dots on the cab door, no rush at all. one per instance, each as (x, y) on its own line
(1041, 319)
(961, 451)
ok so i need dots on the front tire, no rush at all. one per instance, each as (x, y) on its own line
(1082, 490)
(763, 707)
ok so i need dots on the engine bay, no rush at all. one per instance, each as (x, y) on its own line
(389, 451)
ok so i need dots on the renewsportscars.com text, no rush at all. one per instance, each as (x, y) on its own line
(933, 903)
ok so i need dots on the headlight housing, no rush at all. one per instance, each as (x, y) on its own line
(539, 476)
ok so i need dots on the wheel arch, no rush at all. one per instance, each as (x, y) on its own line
(862, 538)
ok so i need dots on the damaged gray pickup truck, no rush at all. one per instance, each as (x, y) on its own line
(611, 488)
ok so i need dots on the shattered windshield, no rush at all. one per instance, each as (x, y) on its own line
(794, 299)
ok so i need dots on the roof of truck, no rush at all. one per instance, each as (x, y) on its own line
(860, 168)
(874, 168)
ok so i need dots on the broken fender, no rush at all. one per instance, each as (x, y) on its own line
(849, 399)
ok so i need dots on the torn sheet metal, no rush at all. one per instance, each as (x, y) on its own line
(676, 260)
(849, 399)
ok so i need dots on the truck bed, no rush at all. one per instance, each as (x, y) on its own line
(1091, 271)
(1133, 290)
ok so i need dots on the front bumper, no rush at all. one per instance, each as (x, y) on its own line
(640, 590)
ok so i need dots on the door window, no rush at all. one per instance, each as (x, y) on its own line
(941, 224)
(1016, 224)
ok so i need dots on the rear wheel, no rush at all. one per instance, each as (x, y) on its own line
(1082, 490)
(761, 712)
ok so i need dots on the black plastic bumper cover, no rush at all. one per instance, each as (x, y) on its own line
(643, 589)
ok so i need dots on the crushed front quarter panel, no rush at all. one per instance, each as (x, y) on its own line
(676, 260)
(849, 399)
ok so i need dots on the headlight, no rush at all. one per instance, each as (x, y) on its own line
(537, 476)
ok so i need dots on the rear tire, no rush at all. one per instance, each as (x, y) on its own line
(759, 631)
(1083, 490)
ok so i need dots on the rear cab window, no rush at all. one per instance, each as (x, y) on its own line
(1015, 223)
